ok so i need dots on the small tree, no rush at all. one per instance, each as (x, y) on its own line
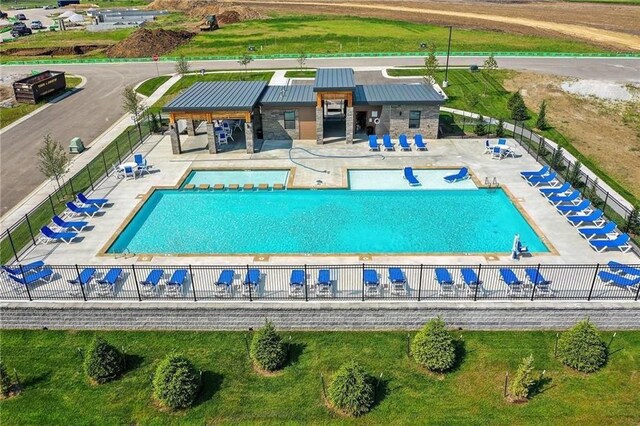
(352, 389)
(582, 349)
(591, 193)
(472, 99)
(430, 65)
(176, 382)
(103, 362)
(515, 98)
(573, 174)
(519, 111)
(182, 66)
(433, 347)
(267, 348)
(556, 158)
(53, 160)
(5, 381)
(131, 104)
(632, 223)
(302, 59)
(490, 64)
(480, 128)
(500, 129)
(523, 381)
(541, 122)
(245, 60)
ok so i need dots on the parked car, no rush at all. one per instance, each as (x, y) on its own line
(36, 25)
(19, 29)
(21, 17)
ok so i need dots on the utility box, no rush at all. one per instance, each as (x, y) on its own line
(76, 146)
(31, 89)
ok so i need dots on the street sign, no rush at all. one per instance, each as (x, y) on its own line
(155, 58)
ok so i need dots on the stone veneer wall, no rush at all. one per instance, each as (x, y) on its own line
(273, 124)
(496, 315)
(394, 120)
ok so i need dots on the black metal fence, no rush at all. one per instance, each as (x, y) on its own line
(345, 282)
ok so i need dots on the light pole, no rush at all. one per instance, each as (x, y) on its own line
(445, 83)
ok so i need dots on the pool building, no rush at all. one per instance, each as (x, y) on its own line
(333, 108)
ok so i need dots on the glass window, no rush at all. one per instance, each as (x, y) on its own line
(414, 119)
(289, 119)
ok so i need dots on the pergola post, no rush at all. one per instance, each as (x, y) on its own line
(191, 127)
(249, 136)
(176, 147)
(349, 125)
(211, 137)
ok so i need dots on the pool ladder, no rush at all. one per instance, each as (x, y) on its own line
(491, 183)
(125, 253)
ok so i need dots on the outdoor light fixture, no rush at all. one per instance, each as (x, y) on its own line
(445, 83)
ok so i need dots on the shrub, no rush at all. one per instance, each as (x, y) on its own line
(352, 389)
(5, 381)
(176, 382)
(433, 347)
(500, 128)
(523, 381)
(582, 349)
(103, 362)
(267, 348)
(480, 128)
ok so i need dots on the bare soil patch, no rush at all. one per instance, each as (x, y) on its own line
(606, 132)
(82, 49)
(227, 13)
(143, 41)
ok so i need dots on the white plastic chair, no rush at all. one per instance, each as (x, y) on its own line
(129, 172)
(222, 138)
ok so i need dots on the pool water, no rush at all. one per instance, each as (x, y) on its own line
(326, 221)
(241, 177)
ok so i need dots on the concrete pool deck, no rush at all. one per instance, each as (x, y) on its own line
(168, 170)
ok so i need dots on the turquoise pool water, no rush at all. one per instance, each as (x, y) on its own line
(326, 221)
(240, 177)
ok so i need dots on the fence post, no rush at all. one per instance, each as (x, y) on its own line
(118, 152)
(306, 291)
(362, 282)
(104, 161)
(80, 283)
(606, 198)
(90, 178)
(30, 229)
(637, 292)
(53, 210)
(193, 286)
(475, 295)
(73, 191)
(129, 137)
(595, 275)
(29, 293)
(420, 283)
(533, 290)
(13, 247)
(135, 278)
(248, 284)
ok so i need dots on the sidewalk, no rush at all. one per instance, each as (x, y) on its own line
(80, 161)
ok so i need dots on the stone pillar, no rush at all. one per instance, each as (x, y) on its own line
(175, 138)
(319, 125)
(248, 136)
(191, 127)
(211, 138)
(350, 128)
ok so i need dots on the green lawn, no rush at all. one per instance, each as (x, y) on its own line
(9, 115)
(6, 4)
(150, 86)
(56, 391)
(300, 74)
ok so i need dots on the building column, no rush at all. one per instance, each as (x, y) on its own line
(211, 138)
(175, 138)
(249, 136)
(319, 125)
(350, 128)
(191, 127)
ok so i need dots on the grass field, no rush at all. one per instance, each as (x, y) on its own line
(56, 390)
(150, 86)
(9, 115)
(300, 74)
(6, 4)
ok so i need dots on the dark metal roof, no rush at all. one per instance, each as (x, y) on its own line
(218, 96)
(289, 95)
(334, 79)
(404, 94)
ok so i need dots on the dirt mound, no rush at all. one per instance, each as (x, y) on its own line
(52, 51)
(227, 13)
(143, 42)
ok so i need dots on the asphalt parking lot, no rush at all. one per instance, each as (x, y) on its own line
(38, 14)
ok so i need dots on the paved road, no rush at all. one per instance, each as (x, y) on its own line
(94, 109)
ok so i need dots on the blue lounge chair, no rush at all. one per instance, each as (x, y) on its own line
(77, 211)
(419, 143)
(398, 281)
(623, 269)
(141, 163)
(556, 190)
(63, 224)
(572, 198)
(98, 202)
(107, 284)
(150, 284)
(596, 217)
(443, 277)
(386, 142)
(410, 177)
(296, 282)
(497, 153)
(630, 284)
(540, 284)
(502, 141)
(371, 281)
(402, 141)
(83, 280)
(43, 274)
(373, 143)
(462, 174)
(323, 283)
(621, 242)
(251, 281)
(584, 207)
(174, 285)
(471, 281)
(543, 171)
(51, 236)
(513, 283)
(21, 270)
(608, 230)
(549, 180)
(224, 284)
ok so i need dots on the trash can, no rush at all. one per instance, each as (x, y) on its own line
(76, 146)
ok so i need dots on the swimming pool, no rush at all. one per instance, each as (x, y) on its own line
(338, 221)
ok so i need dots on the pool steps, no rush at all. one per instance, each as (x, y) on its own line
(234, 187)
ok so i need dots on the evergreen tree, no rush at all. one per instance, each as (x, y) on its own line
(480, 128)
(500, 129)
(519, 111)
(430, 65)
(541, 122)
